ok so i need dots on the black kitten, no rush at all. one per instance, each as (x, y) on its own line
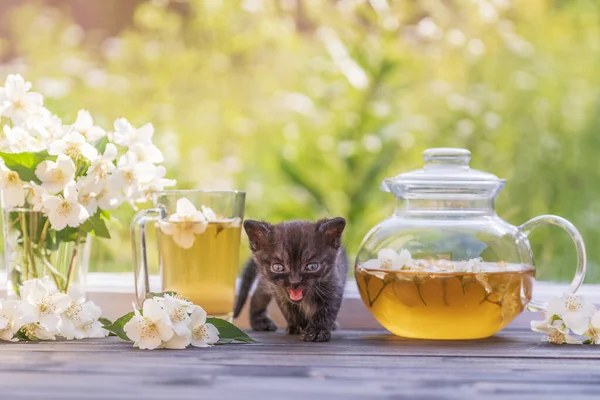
(303, 266)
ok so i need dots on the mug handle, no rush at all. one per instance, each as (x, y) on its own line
(138, 249)
(533, 223)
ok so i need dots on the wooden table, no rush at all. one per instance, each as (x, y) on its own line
(363, 365)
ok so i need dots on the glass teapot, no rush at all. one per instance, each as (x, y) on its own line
(445, 265)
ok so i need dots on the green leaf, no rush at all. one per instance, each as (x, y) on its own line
(66, 235)
(106, 322)
(228, 332)
(116, 327)
(589, 341)
(96, 225)
(24, 164)
(100, 145)
(21, 335)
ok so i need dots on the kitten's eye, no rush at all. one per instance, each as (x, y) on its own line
(312, 267)
(277, 268)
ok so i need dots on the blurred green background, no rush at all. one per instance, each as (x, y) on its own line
(307, 105)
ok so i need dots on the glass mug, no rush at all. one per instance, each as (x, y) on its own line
(198, 238)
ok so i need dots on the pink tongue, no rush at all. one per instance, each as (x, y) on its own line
(295, 294)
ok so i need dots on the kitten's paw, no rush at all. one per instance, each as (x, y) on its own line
(263, 324)
(293, 330)
(316, 335)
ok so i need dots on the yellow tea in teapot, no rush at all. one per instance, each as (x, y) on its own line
(443, 303)
(205, 273)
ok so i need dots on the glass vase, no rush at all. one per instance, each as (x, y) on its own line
(33, 250)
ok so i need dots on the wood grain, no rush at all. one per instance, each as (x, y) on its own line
(355, 364)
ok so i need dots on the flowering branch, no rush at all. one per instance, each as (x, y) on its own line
(60, 182)
(168, 321)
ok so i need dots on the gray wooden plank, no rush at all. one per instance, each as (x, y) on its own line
(356, 364)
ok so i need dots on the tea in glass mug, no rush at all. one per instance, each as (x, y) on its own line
(198, 238)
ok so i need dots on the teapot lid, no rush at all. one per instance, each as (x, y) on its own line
(446, 174)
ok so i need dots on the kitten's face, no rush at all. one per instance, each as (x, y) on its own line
(293, 256)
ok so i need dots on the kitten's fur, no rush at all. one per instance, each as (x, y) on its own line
(295, 245)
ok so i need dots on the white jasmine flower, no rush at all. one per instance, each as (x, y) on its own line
(127, 135)
(150, 330)
(85, 126)
(16, 102)
(13, 190)
(103, 166)
(86, 194)
(157, 184)
(66, 211)
(37, 195)
(18, 140)
(131, 174)
(177, 309)
(203, 334)
(80, 321)
(472, 265)
(573, 310)
(45, 126)
(593, 331)
(10, 320)
(43, 307)
(74, 145)
(555, 329)
(178, 342)
(184, 224)
(109, 198)
(95, 330)
(56, 175)
(372, 264)
(393, 261)
(148, 153)
(34, 330)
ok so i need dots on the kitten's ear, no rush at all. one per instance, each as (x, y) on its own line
(332, 229)
(258, 233)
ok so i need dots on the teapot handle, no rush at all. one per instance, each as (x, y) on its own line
(138, 248)
(533, 223)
